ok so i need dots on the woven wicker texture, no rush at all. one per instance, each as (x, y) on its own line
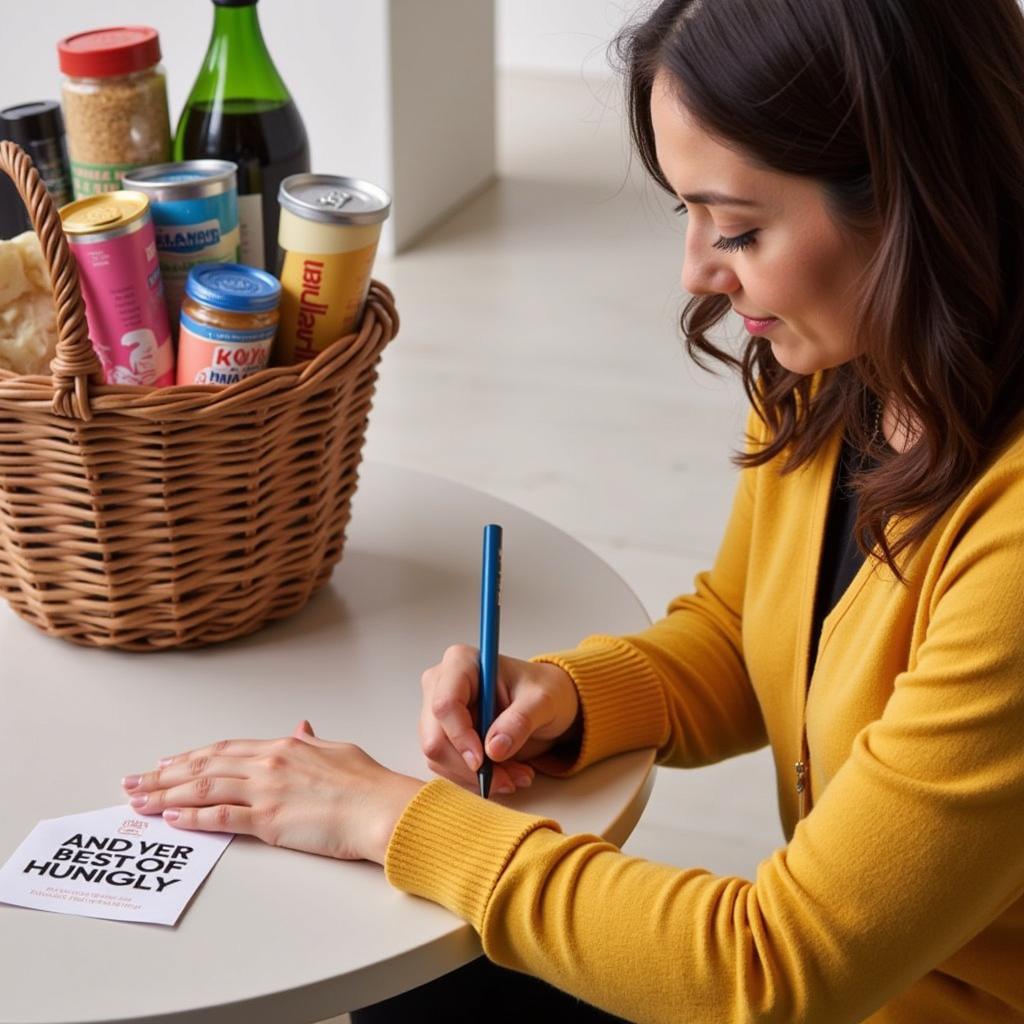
(143, 518)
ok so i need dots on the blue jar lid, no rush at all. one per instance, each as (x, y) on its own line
(233, 287)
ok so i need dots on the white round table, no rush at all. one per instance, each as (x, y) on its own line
(277, 935)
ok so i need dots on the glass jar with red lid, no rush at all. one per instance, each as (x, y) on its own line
(114, 95)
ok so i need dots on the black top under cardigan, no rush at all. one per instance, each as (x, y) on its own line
(840, 556)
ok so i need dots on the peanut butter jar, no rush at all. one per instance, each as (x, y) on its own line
(228, 321)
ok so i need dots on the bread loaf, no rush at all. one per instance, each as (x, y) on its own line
(28, 327)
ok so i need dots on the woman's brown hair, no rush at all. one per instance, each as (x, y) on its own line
(910, 115)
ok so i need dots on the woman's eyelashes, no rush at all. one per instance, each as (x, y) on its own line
(734, 244)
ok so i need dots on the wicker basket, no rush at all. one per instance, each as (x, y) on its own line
(143, 518)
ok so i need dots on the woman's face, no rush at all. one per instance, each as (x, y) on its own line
(779, 255)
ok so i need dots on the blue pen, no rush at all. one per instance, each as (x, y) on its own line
(490, 613)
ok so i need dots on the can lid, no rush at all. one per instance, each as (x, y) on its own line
(185, 179)
(109, 51)
(333, 199)
(102, 212)
(234, 287)
(31, 122)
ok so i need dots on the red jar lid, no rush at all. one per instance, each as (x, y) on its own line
(109, 51)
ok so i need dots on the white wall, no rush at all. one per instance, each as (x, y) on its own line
(561, 37)
(361, 71)
(396, 91)
(326, 71)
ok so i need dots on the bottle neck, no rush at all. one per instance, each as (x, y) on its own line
(238, 64)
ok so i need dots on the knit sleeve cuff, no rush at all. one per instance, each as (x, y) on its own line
(621, 699)
(451, 846)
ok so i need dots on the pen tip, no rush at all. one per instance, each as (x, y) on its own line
(485, 784)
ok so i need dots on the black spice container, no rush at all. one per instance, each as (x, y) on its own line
(39, 129)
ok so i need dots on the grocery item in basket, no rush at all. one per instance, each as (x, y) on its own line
(13, 216)
(240, 109)
(115, 105)
(28, 326)
(328, 238)
(39, 130)
(112, 239)
(228, 321)
(195, 213)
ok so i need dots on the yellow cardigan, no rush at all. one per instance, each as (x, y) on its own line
(899, 897)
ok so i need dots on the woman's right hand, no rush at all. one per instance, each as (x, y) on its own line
(537, 705)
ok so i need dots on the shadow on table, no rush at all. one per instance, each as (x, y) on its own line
(367, 583)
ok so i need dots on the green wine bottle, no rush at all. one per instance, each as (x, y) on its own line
(240, 109)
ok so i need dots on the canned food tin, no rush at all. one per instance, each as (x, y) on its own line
(195, 213)
(328, 237)
(111, 236)
(228, 322)
(39, 129)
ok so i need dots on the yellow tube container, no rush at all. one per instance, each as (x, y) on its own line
(328, 235)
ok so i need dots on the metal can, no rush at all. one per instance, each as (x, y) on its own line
(39, 130)
(195, 213)
(228, 322)
(327, 238)
(111, 236)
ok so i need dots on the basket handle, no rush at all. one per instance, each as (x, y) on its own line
(76, 363)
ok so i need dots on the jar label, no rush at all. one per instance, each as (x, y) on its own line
(250, 220)
(218, 355)
(91, 179)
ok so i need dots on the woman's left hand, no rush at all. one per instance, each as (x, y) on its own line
(298, 791)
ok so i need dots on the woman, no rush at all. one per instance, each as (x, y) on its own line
(851, 170)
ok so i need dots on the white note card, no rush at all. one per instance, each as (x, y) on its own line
(110, 863)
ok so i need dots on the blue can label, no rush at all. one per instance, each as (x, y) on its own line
(188, 239)
(193, 231)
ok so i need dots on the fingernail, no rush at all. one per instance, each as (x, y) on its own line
(470, 758)
(523, 779)
(131, 781)
(165, 761)
(139, 801)
(172, 815)
(500, 745)
(505, 790)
